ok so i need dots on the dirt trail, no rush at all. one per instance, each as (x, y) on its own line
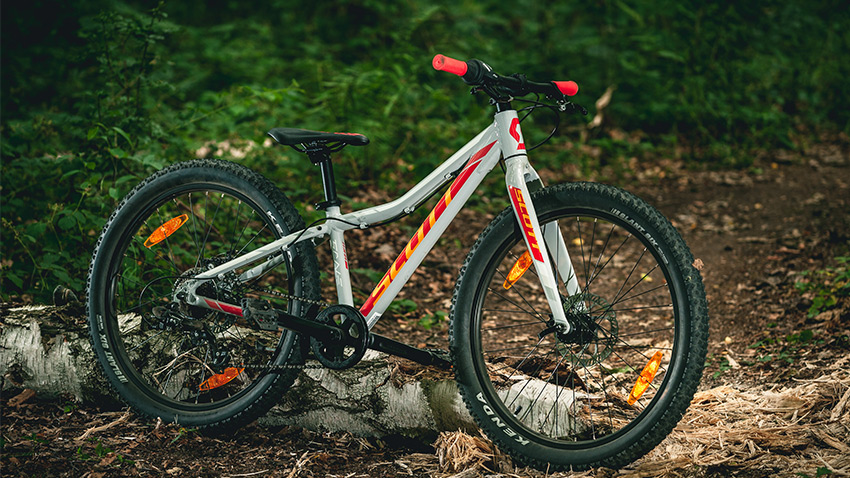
(773, 401)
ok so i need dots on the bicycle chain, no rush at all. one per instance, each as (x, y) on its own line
(282, 295)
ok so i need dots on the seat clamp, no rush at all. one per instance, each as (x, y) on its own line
(318, 153)
(326, 204)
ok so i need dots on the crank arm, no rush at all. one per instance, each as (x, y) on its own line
(393, 347)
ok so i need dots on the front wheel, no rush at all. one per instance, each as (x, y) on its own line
(609, 390)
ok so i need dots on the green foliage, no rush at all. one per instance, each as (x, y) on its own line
(826, 286)
(403, 307)
(181, 433)
(431, 320)
(821, 471)
(786, 349)
(99, 94)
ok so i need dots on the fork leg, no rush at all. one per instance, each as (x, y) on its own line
(518, 191)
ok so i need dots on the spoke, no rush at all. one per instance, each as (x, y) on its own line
(638, 334)
(235, 223)
(144, 341)
(252, 239)
(531, 376)
(535, 313)
(619, 298)
(648, 291)
(558, 390)
(502, 327)
(194, 225)
(613, 255)
(519, 347)
(602, 252)
(212, 221)
(644, 307)
(532, 313)
(628, 277)
(583, 260)
(545, 384)
(590, 252)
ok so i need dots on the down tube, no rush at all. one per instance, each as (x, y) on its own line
(486, 156)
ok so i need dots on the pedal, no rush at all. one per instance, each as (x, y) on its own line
(260, 312)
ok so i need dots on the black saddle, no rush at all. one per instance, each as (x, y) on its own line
(295, 136)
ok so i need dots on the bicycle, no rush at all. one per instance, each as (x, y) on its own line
(204, 296)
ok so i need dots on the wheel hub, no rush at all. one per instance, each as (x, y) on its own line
(594, 329)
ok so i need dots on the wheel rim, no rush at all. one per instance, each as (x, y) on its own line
(570, 391)
(173, 350)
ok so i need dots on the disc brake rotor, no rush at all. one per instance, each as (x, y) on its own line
(595, 330)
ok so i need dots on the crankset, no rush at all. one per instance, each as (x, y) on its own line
(324, 332)
(352, 344)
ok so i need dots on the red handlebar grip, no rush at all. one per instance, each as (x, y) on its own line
(444, 63)
(569, 88)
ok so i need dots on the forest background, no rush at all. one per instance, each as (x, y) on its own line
(98, 94)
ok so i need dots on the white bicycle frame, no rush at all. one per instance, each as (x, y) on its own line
(503, 139)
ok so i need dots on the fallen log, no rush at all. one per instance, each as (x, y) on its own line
(47, 349)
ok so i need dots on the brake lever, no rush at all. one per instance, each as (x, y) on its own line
(564, 104)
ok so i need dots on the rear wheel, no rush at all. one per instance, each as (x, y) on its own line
(196, 366)
(570, 400)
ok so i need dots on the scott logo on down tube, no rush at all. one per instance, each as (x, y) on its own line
(423, 230)
(525, 222)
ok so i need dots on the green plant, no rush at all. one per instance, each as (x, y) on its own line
(69, 407)
(430, 320)
(821, 471)
(182, 432)
(36, 439)
(403, 307)
(826, 286)
(723, 365)
(787, 349)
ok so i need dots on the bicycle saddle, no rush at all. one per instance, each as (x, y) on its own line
(295, 136)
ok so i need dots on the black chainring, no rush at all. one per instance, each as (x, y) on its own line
(347, 352)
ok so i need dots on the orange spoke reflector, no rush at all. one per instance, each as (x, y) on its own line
(646, 377)
(220, 379)
(522, 264)
(166, 230)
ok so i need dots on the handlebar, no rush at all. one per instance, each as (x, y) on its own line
(476, 72)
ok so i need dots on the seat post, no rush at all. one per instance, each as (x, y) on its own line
(321, 155)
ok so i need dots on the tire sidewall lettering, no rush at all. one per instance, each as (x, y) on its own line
(502, 426)
(642, 230)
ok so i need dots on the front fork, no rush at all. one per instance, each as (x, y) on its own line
(521, 180)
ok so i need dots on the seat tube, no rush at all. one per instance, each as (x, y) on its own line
(517, 172)
(342, 278)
